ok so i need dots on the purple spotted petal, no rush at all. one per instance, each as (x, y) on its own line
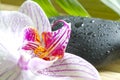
(35, 12)
(56, 42)
(8, 66)
(13, 22)
(71, 67)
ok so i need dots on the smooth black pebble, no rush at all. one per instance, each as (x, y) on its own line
(96, 40)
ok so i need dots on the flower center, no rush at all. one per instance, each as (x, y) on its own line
(32, 42)
(51, 45)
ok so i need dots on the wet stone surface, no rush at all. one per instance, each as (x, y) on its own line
(96, 40)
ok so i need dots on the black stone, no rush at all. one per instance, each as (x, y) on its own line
(96, 40)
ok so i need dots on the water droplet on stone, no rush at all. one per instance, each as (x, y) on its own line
(107, 34)
(108, 44)
(79, 24)
(88, 40)
(116, 23)
(84, 49)
(93, 57)
(89, 33)
(101, 35)
(92, 21)
(68, 21)
(101, 44)
(85, 28)
(96, 48)
(102, 54)
(98, 28)
(100, 25)
(94, 35)
(85, 33)
(116, 31)
(104, 24)
(82, 25)
(108, 52)
(119, 27)
(112, 49)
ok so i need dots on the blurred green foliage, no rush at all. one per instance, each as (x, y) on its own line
(93, 8)
(113, 4)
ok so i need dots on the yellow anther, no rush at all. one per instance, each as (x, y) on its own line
(41, 52)
(37, 37)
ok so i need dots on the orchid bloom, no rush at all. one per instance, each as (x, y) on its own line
(29, 50)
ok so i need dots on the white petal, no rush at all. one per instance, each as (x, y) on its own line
(28, 75)
(11, 25)
(36, 64)
(35, 12)
(71, 67)
(8, 66)
(13, 22)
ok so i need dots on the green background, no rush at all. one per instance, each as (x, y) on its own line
(94, 7)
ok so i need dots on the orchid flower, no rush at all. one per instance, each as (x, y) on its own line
(29, 50)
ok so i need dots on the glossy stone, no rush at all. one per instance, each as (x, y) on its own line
(96, 40)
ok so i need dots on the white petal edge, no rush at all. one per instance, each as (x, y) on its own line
(35, 12)
(8, 66)
(13, 21)
(11, 25)
(28, 75)
(71, 67)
